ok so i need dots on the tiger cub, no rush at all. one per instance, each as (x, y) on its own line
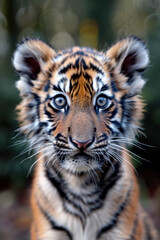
(79, 109)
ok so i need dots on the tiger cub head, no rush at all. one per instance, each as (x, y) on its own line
(78, 104)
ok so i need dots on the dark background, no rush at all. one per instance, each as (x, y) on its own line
(64, 23)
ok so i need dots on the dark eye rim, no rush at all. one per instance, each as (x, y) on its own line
(107, 101)
(55, 104)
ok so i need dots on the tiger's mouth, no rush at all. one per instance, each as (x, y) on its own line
(80, 161)
(77, 156)
(82, 155)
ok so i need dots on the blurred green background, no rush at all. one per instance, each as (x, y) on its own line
(64, 23)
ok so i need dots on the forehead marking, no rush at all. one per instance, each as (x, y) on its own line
(83, 62)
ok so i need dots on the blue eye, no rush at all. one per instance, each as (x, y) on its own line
(102, 101)
(59, 101)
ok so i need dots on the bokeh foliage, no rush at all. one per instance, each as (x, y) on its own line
(64, 23)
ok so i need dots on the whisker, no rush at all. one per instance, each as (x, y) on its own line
(121, 159)
(17, 143)
(36, 153)
(128, 152)
(130, 141)
(31, 167)
(19, 133)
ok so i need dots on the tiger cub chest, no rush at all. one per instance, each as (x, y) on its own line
(85, 212)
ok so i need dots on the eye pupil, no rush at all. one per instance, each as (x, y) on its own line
(101, 100)
(60, 101)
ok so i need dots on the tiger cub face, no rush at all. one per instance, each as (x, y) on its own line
(77, 102)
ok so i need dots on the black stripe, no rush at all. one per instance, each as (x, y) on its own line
(114, 88)
(30, 106)
(38, 102)
(83, 64)
(114, 112)
(66, 110)
(74, 85)
(55, 182)
(65, 69)
(41, 126)
(128, 95)
(128, 109)
(60, 185)
(111, 180)
(75, 89)
(49, 72)
(104, 186)
(114, 219)
(61, 137)
(36, 97)
(80, 53)
(87, 76)
(54, 127)
(88, 88)
(96, 108)
(98, 79)
(70, 86)
(62, 140)
(47, 86)
(109, 128)
(104, 87)
(118, 125)
(53, 224)
(95, 68)
(51, 115)
(77, 63)
(75, 76)
(46, 98)
(57, 88)
(74, 196)
(102, 138)
(63, 61)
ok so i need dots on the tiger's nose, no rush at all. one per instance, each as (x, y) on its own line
(82, 145)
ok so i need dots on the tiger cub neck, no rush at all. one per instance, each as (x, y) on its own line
(81, 183)
(79, 201)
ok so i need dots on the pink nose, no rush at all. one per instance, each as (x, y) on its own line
(81, 145)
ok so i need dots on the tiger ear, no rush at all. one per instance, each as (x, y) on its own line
(130, 58)
(28, 61)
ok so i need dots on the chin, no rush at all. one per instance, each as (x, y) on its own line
(80, 165)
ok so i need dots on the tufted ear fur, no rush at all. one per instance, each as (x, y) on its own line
(128, 58)
(29, 60)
